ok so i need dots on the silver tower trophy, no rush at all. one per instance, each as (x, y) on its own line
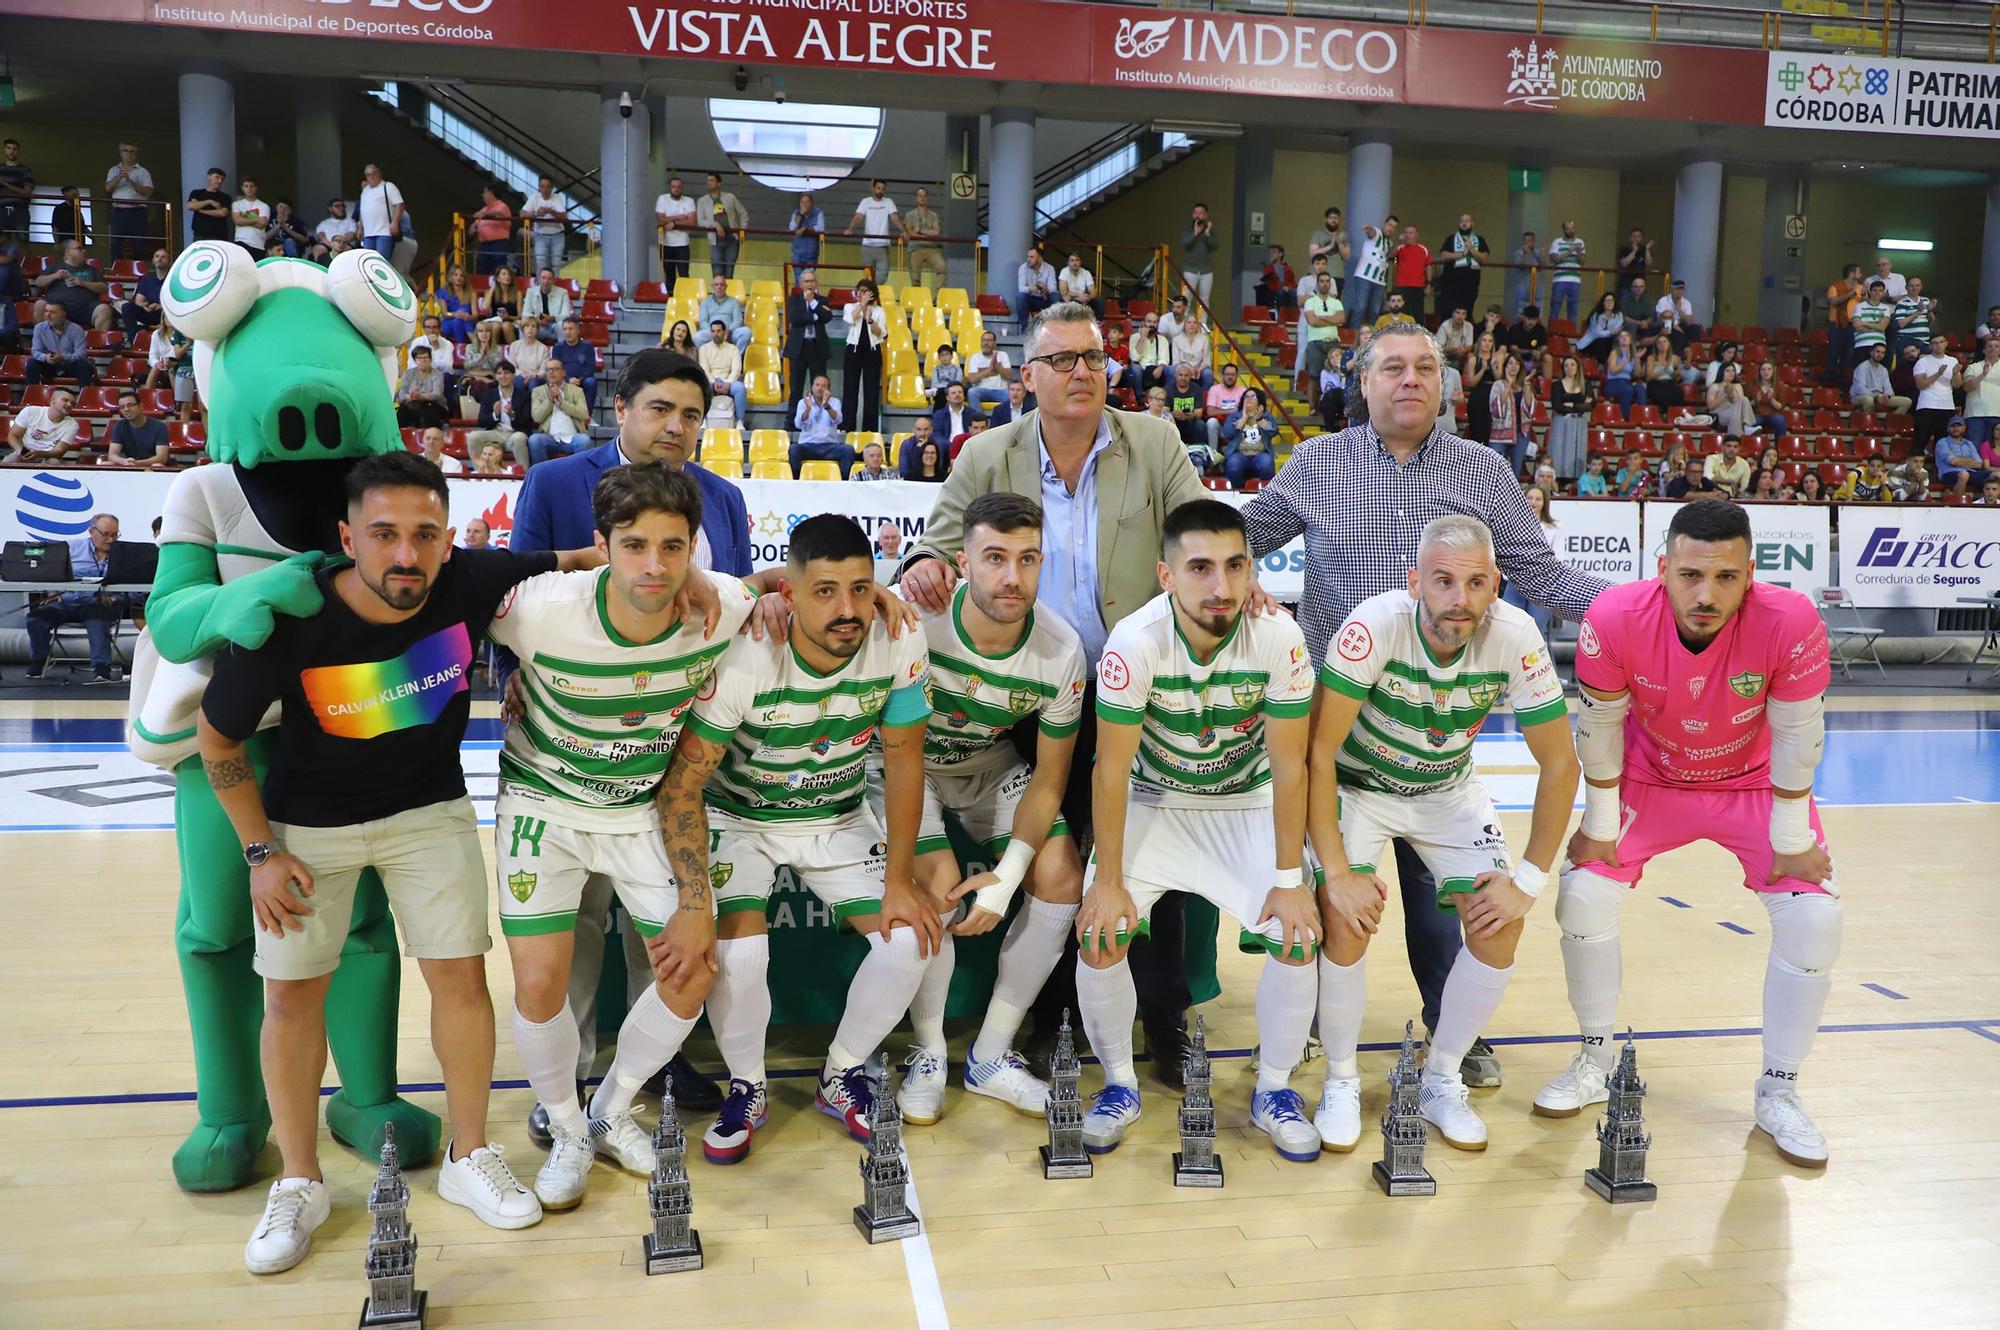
(1064, 1155)
(391, 1264)
(1620, 1175)
(884, 1213)
(1195, 1164)
(673, 1245)
(1400, 1171)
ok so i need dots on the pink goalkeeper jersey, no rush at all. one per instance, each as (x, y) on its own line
(1698, 719)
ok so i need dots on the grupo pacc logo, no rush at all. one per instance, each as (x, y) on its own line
(53, 507)
(1941, 551)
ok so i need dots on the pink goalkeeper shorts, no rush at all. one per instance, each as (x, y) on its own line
(1659, 818)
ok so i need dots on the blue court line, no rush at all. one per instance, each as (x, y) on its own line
(1978, 1027)
(1678, 905)
(1734, 928)
(1885, 992)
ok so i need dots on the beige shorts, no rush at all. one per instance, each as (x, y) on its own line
(431, 867)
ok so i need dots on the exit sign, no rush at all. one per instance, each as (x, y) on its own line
(1525, 180)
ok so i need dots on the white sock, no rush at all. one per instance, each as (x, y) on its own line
(877, 998)
(651, 1034)
(1284, 1014)
(1343, 1001)
(1033, 945)
(1593, 965)
(1805, 931)
(927, 1007)
(1108, 1004)
(1471, 996)
(739, 1006)
(548, 1055)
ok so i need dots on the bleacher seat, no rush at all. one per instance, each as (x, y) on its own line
(189, 436)
(769, 445)
(96, 401)
(650, 293)
(761, 356)
(123, 370)
(1725, 332)
(896, 445)
(158, 401)
(917, 297)
(600, 311)
(860, 438)
(906, 392)
(1646, 415)
(994, 305)
(1603, 443)
(1607, 412)
(765, 387)
(602, 288)
(722, 452)
(13, 369)
(953, 297)
(818, 470)
(776, 470)
(690, 288)
(125, 270)
(1640, 440)
(767, 288)
(97, 340)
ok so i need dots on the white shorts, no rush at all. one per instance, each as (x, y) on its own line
(842, 862)
(1455, 832)
(541, 866)
(982, 803)
(1228, 856)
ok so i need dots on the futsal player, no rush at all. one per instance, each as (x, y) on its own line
(1202, 715)
(1703, 716)
(1409, 680)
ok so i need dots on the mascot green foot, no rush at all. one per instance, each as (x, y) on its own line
(221, 1156)
(361, 1128)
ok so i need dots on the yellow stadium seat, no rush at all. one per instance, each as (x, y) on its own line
(722, 451)
(931, 337)
(896, 446)
(818, 470)
(777, 470)
(767, 288)
(766, 388)
(769, 445)
(736, 289)
(690, 288)
(953, 297)
(917, 297)
(968, 324)
(858, 439)
(906, 392)
(900, 359)
(761, 355)
(922, 316)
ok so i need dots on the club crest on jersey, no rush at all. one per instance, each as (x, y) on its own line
(521, 885)
(1747, 684)
(1021, 701)
(875, 699)
(640, 679)
(972, 685)
(699, 671)
(1247, 694)
(825, 704)
(1696, 684)
(719, 875)
(1484, 694)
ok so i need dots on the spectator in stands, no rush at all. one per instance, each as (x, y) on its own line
(13, 287)
(381, 211)
(1664, 374)
(434, 441)
(821, 430)
(725, 219)
(1329, 242)
(1524, 277)
(1481, 368)
(141, 309)
(506, 411)
(1868, 483)
(460, 304)
(335, 226)
(1034, 284)
(561, 416)
(1871, 319)
(129, 185)
(42, 434)
(500, 303)
(98, 611)
(1729, 404)
(1642, 318)
(1075, 283)
(871, 467)
(1911, 482)
(286, 235)
(1870, 389)
(1324, 315)
(1565, 257)
(807, 316)
(1529, 338)
(1454, 337)
(1767, 460)
(420, 399)
(1989, 493)
(208, 209)
(955, 417)
(1812, 489)
(1013, 408)
(1512, 403)
(723, 364)
(945, 371)
(1220, 402)
(482, 357)
(1635, 261)
(68, 220)
(1620, 367)
(807, 225)
(1460, 262)
(1331, 389)
(675, 216)
(1184, 404)
(1765, 487)
(988, 371)
(17, 185)
(1674, 313)
(1729, 470)
(1275, 285)
(1960, 466)
(921, 432)
(1545, 476)
(1935, 375)
(1248, 437)
(1841, 298)
(444, 352)
(1412, 263)
(1196, 255)
(528, 353)
(1910, 323)
(1394, 311)
(1981, 381)
(719, 305)
(680, 339)
(1725, 354)
(1591, 484)
(546, 220)
(1117, 356)
(861, 364)
(1191, 348)
(1152, 354)
(1892, 281)
(1600, 334)
(579, 358)
(170, 356)
(1767, 402)
(1175, 318)
(1671, 465)
(1990, 328)
(57, 349)
(135, 438)
(548, 302)
(921, 249)
(926, 460)
(877, 217)
(78, 285)
(478, 535)
(1632, 476)
(250, 217)
(1569, 423)
(1156, 404)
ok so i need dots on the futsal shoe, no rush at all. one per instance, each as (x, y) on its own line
(846, 1096)
(1781, 1117)
(620, 1139)
(920, 1097)
(539, 1130)
(1008, 1079)
(284, 1235)
(1481, 1067)
(1338, 1120)
(1442, 1100)
(563, 1176)
(1280, 1114)
(1577, 1087)
(744, 1110)
(1113, 1110)
(483, 1184)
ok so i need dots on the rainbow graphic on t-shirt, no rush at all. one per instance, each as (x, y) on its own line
(363, 701)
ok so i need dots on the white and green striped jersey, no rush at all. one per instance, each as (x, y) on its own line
(1419, 714)
(603, 713)
(797, 740)
(1867, 337)
(976, 699)
(1568, 257)
(1202, 741)
(1371, 260)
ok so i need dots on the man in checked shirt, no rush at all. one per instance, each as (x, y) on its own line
(1361, 498)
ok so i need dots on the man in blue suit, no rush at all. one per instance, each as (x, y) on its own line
(662, 400)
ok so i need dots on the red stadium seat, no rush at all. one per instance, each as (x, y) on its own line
(1711, 443)
(1675, 438)
(1562, 328)
(1646, 414)
(1607, 412)
(1828, 399)
(1831, 474)
(1603, 443)
(598, 311)
(124, 369)
(1725, 332)
(602, 288)
(158, 401)
(994, 306)
(597, 334)
(1785, 336)
(1791, 472)
(13, 369)
(1794, 445)
(1113, 309)
(1754, 333)
(109, 340)
(96, 401)
(1794, 421)
(650, 293)
(1257, 315)
(1867, 446)
(1138, 309)
(1899, 422)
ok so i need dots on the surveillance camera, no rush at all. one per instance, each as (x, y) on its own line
(779, 96)
(742, 78)
(625, 105)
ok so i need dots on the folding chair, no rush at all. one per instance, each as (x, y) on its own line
(1833, 599)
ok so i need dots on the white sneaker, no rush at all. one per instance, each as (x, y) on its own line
(921, 1095)
(623, 1141)
(1008, 1079)
(1112, 1111)
(284, 1235)
(1338, 1120)
(1784, 1120)
(483, 1184)
(1444, 1102)
(560, 1183)
(1576, 1088)
(1280, 1115)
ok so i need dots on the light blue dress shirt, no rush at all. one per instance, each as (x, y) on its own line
(1069, 544)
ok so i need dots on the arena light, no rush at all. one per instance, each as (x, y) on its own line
(1914, 246)
(1199, 129)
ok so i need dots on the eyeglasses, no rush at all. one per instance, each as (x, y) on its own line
(1064, 362)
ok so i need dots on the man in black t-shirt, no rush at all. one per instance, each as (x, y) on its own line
(208, 210)
(17, 182)
(364, 773)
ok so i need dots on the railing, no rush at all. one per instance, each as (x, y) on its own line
(1169, 270)
(494, 143)
(91, 221)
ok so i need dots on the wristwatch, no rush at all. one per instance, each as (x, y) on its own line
(257, 851)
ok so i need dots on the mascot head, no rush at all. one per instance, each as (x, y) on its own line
(296, 362)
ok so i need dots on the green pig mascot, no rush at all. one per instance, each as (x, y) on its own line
(296, 363)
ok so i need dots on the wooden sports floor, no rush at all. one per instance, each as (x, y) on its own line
(1902, 1230)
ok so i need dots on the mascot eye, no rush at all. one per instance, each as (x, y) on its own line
(373, 296)
(210, 288)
